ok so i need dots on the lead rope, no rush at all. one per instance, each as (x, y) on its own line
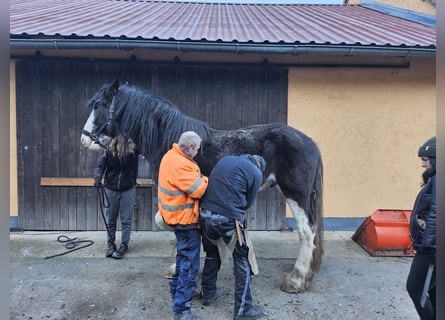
(104, 203)
(72, 243)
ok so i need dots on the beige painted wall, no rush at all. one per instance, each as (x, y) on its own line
(421, 6)
(368, 125)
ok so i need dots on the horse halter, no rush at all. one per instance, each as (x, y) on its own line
(95, 136)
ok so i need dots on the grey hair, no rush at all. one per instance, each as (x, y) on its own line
(188, 138)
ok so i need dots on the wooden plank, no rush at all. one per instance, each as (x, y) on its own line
(83, 182)
(74, 128)
(27, 96)
(46, 161)
(142, 212)
(55, 91)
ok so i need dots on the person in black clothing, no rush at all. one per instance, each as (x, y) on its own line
(233, 185)
(118, 164)
(423, 234)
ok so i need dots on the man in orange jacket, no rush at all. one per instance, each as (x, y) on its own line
(180, 187)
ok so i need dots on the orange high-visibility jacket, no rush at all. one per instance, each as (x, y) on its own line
(180, 186)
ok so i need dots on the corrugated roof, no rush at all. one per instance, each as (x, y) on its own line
(226, 22)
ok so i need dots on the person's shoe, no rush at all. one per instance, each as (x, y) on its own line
(186, 315)
(207, 301)
(254, 313)
(123, 249)
(110, 249)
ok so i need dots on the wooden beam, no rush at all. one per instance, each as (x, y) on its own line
(83, 182)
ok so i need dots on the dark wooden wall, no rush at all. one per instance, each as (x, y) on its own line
(51, 96)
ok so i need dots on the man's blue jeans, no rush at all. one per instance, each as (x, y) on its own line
(215, 226)
(185, 279)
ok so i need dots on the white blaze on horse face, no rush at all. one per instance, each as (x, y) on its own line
(89, 125)
(86, 141)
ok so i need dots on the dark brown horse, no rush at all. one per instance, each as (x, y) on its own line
(293, 160)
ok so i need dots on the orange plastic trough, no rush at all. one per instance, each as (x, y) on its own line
(386, 233)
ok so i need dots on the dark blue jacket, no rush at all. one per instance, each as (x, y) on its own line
(233, 185)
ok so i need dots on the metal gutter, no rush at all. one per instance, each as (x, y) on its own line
(240, 48)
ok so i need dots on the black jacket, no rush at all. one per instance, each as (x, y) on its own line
(120, 173)
(424, 238)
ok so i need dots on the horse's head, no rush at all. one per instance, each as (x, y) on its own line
(100, 128)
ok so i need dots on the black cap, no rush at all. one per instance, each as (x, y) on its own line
(428, 149)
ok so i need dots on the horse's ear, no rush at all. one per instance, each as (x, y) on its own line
(113, 87)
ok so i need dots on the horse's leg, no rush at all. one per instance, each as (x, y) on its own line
(170, 271)
(300, 278)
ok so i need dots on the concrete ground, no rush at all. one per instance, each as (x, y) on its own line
(84, 284)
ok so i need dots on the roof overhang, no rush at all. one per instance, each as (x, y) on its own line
(222, 47)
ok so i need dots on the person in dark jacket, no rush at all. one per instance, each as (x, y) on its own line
(423, 234)
(233, 185)
(118, 164)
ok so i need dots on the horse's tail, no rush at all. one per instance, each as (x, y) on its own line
(317, 214)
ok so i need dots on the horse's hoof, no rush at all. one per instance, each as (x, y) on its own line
(291, 288)
(296, 283)
(168, 274)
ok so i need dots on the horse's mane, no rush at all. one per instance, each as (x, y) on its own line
(152, 122)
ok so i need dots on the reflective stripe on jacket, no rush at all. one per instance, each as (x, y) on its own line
(180, 186)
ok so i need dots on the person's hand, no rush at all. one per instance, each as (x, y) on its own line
(98, 184)
(422, 249)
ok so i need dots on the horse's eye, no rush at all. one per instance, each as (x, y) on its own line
(96, 105)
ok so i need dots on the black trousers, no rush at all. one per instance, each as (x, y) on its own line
(415, 284)
(214, 226)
